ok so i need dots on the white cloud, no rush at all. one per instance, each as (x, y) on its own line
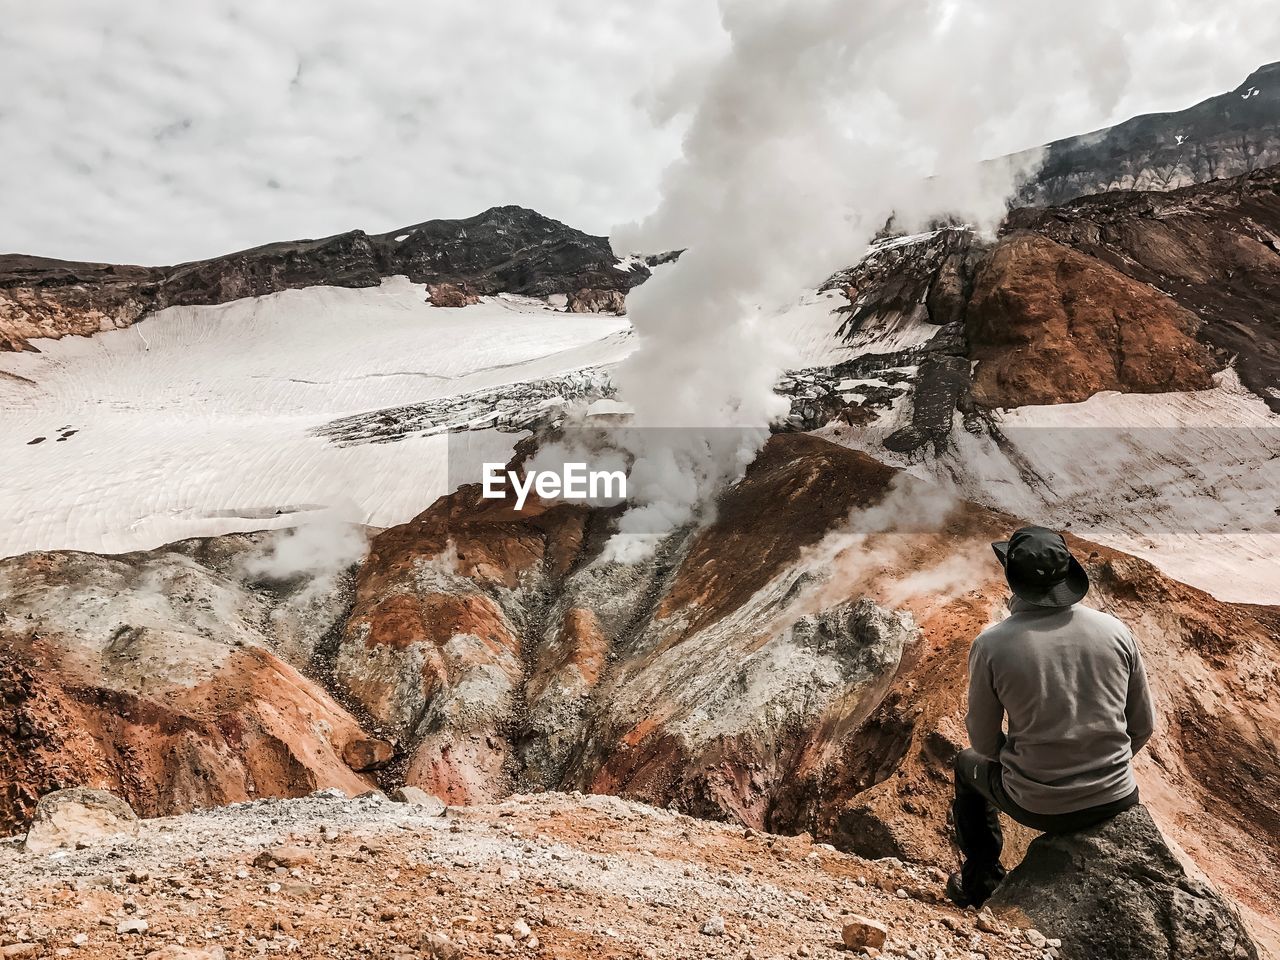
(156, 132)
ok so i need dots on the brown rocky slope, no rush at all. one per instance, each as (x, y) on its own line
(776, 671)
(166, 678)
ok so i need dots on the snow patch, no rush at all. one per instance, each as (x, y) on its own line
(206, 425)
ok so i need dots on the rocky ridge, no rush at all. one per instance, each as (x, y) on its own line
(503, 250)
(174, 678)
(1129, 292)
(1224, 136)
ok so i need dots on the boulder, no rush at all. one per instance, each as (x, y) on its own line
(451, 295)
(1117, 892)
(597, 301)
(437, 946)
(285, 856)
(418, 797)
(859, 933)
(363, 754)
(78, 817)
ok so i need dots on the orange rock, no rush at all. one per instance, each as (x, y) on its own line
(859, 933)
(1047, 324)
(363, 754)
(451, 295)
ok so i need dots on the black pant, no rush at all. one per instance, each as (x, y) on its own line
(981, 798)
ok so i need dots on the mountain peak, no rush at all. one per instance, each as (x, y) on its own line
(1269, 72)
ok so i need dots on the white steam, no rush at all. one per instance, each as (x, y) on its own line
(821, 121)
(884, 550)
(321, 548)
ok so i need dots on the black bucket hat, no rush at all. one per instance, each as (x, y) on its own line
(1040, 569)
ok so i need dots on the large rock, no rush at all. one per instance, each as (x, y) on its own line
(1117, 892)
(78, 817)
(1048, 324)
(366, 753)
(1212, 248)
(597, 301)
(859, 933)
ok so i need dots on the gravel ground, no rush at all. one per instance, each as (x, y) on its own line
(552, 875)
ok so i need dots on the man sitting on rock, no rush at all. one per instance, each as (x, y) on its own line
(1071, 682)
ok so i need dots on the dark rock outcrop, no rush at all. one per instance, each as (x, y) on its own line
(1224, 136)
(503, 250)
(1127, 291)
(942, 381)
(1117, 892)
(903, 281)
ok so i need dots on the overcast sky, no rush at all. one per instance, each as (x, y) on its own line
(155, 132)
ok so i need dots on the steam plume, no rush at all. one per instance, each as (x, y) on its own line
(821, 121)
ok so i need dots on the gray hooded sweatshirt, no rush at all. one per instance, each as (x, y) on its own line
(1072, 684)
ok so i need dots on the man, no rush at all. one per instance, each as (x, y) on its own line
(1071, 682)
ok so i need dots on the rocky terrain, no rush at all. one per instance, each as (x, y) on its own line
(503, 250)
(166, 678)
(552, 875)
(1213, 250)
(1225, 136)
(786, 668)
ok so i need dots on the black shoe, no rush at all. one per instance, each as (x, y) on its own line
(975, 890)
(955, 891)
